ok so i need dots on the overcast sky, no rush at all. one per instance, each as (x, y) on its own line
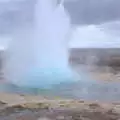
(104, 17)
(16, 14)
(93, 11)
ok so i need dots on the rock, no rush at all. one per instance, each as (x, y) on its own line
(43, 118)
(2, 103)
(60, 118)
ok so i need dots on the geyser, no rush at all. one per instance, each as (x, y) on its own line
(42, 60)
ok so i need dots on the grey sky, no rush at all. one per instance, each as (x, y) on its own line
(17, 14)
(93, 11)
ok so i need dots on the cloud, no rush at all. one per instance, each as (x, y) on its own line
(93, 11)
(18, 13)
(94, 36)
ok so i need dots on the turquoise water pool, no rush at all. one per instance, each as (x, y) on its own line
(76, 90)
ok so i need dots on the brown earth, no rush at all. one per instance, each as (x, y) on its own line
(101, 64)
(17, 107)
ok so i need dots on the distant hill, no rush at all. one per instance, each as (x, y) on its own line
(100, 64)
(97, 56)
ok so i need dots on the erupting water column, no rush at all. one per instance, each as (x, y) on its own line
(52, 34)
(42, 60)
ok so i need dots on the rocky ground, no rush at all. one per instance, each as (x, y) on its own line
(101, 64)
(25, 107)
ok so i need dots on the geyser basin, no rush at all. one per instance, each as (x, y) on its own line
(38, 56)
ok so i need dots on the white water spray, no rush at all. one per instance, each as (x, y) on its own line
(52, 31)
(42, 60)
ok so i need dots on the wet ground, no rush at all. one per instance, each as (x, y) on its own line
(88, 90)
(91, 91)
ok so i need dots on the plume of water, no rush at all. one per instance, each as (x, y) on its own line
(51, 33)
(41, 59)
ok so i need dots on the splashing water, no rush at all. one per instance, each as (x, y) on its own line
(52, 31)
(42, 59)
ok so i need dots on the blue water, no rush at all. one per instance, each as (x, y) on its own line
(46, 78)
(92, 90)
